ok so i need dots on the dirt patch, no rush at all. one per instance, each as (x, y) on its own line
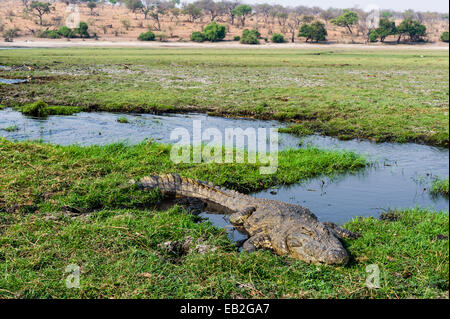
(175, 251)
(390, 216)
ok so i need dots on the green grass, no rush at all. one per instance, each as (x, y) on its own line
(440, 187)
(116, 239)
(36, 176)
(63, 110)
(382, 95)
(119, 256)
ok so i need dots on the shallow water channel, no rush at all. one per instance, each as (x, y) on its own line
(399, 178)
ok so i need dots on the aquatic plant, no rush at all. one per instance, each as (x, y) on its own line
(37, 109)
(440, 187)
(123, 119)
(12, 128)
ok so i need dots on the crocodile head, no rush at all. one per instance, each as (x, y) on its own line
(315, 243)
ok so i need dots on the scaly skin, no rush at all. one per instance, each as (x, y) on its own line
(286, 229)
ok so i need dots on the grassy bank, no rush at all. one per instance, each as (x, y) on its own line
(64, 205)
(383, 95)
(47, 177)
(440, 187)
(119, 255)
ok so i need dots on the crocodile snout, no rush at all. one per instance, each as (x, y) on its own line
(336, 257)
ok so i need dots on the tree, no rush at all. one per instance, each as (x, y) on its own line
(228, 7)
(211, 8)
(387, 14)
(155, 9)
(134, 5)
(280, 13)
(40, 9)
(328, 15)
(215, 32)
(413, 29)
(306, 18)
(242, 11)
(91, 5)
(263, 10)
(445, 36)
(315, 31)
(409, 14)
(293, 24)
(347, 20)
(26, 3)
(385, 29)
(193, 11)
(82, 30)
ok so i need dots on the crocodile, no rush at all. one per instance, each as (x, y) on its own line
(286, 229)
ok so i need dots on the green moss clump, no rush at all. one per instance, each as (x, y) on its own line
(41, 109)
(299, 130)
(37, 109)
(123, 119)
(63, 110)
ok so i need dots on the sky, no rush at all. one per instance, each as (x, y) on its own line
(398, 5)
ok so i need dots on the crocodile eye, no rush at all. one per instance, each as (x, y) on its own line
(305, 231)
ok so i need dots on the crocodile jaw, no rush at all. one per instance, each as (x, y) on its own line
(320, 248)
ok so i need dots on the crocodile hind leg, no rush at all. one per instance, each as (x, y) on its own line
(239, 218)
(255, 242)
(341, 232)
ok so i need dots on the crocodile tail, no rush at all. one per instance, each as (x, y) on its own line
(176, 185)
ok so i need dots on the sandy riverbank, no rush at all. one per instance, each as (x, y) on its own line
(33, 43)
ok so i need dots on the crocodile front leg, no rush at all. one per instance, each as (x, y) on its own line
(238, 218)
(341, 232)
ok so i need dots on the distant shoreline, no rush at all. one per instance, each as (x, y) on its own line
(222, 45)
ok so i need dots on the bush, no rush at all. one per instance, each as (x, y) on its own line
(385, 29)
(38, 109)
(66, 32)
(413, 29)
(197, 36)
(162, 37)
(146, 36)
(48, 34)
(277, 38)
(215, 32)
(444, 36)
(315, 31)
(82, 30)
(250, 37)
(10, 34)
(373, 36)
(237, 38)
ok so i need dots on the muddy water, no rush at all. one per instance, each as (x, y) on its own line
(9, 81)
(12, 81)
(400, 177)
(103, 127)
